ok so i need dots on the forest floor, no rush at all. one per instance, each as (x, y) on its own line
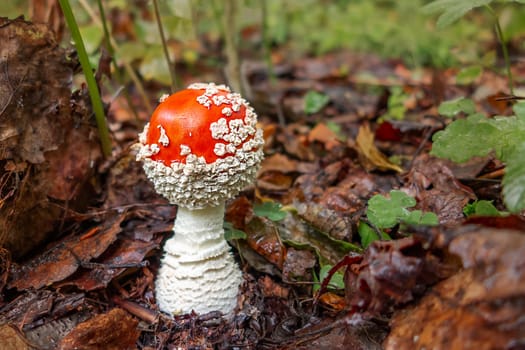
(88, 232)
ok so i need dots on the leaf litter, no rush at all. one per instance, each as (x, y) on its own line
(446, 287)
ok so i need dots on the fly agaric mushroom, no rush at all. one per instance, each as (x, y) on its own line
(200, 148)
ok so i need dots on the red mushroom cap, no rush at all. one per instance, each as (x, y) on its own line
(186, 122)
(201, 145)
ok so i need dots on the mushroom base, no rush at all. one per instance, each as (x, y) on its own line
(198, 271)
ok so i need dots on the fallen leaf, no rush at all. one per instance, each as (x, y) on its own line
(323, 134)
(392, 273)
(263, 237)
(437, 190)
(63, 260)
(123, 252)
(370, 156)
(333, 301)
(12, 339)
(480, 307)
(115, 330)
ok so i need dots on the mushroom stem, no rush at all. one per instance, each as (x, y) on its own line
(198, 271)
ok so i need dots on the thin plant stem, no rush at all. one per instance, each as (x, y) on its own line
(233, 67)
(111, 51)
(94, 93)
(504, 49)
(127, 66)
(171, 67)
(267, 42)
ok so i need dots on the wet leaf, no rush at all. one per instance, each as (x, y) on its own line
(392, 273)
(485, 299)
(263, 237)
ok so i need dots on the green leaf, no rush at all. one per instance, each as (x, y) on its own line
(468, 75)
(418, 217)
(271, 210)
(452, 10)
(385, 212)
(315, 101)
(154, 66)
(367, 234)
(463, 139)
(519, 108)
(514, 180)
(92, 36)
(336, 282)
(481, 208)
(231, 232)
(453, 107)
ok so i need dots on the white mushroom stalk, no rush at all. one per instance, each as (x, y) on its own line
(201, 147)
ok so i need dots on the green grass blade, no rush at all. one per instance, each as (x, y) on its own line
(94, 94)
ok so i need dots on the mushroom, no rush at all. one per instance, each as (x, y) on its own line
(200, 148)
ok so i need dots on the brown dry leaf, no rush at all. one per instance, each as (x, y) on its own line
(123, 252)
(333, 301)
(480, 307)
(371, 158)
(45, 132)
(323, 134)
(270, 288)
(12, 339)
(274, 181)
(437, 190)
(298, 265)
(333, 223)
(115, 330)
(295, 142)
(278, 162)
(63, 260)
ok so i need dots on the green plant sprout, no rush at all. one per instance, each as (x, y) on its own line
(94, 93)
(386, 212)
(396, 104)
(453, 10)
(315, 101)
(477, 135)
(482, 208)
